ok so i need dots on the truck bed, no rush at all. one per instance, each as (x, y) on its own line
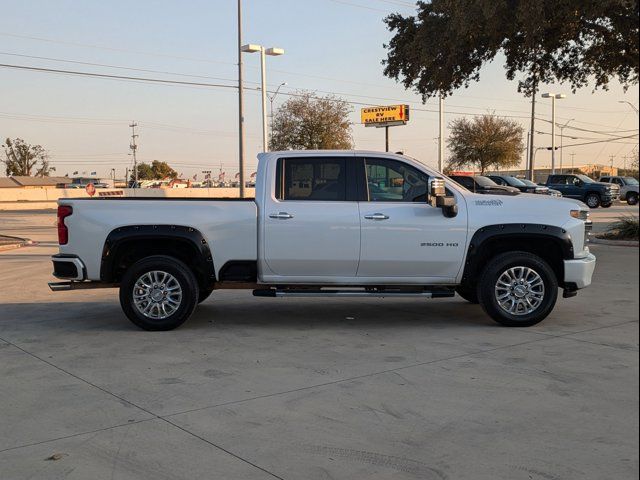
(229, 225)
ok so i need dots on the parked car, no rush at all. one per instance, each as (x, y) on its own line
(482, 184)
(316, 229)
(580, 187)
(511, 181)
(628, 188)
(543, 189)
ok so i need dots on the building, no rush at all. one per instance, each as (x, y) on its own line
(34, 182)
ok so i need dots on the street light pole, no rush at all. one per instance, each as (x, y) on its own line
(635, 109)
(273, 52)
(240, 103)
(553, 97)
(441, 134)
(562, 127)
(271, 100)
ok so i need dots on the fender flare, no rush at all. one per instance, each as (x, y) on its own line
(119, 237)
(513, 231)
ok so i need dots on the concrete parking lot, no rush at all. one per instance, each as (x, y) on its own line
(314, 388)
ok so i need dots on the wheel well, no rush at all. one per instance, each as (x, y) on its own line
(592, 192)
(547, 248)
(630, 194)
(122, 251)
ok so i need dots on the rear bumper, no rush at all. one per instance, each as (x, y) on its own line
(578, 272)
(68, 267)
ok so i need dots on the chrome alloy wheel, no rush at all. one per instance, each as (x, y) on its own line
(157, 295)
(519, 291)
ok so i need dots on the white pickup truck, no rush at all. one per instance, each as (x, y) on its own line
(329, 223)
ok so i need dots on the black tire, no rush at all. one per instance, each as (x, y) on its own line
(632, 198)
(494, 271)
(182, 277)
(592, 200)
(607, 205)
(204, 294)
(468, 293)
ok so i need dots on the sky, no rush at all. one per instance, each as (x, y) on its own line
(331, 46)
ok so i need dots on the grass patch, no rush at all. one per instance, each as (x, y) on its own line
(626, 228)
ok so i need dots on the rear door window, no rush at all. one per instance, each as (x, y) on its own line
(312, 179)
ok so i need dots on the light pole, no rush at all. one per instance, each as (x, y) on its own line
(562, 127)
(240, 103)
(272, 98)
(273, 52)
(635, 109)
(441, 134)
(553, 97)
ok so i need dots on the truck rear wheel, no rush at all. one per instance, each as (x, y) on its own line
(158, 293)
(518, 289)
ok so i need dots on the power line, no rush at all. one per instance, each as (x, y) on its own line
(235, 87)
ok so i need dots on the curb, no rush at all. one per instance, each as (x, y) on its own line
(614, 243)
(20, 242)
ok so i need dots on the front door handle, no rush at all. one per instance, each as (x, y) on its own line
(377, 216)
(281, 216)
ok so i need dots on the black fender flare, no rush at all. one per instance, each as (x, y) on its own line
(117, 240)
(514, 231)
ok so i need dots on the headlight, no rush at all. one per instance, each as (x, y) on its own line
(580, 214)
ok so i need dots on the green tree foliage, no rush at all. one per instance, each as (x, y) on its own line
(156, 171)
(485, 142)
(309, 122)
(444, 46)
(21, 159)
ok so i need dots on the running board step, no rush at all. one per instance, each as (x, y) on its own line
(381, 293)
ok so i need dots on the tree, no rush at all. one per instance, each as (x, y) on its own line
(444, 46)
(21, 159)
(156, 171)
(485, 142)
(309, 122)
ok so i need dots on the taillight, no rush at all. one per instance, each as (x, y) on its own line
(63, 232)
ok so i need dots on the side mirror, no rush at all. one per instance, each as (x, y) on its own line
(437, 197)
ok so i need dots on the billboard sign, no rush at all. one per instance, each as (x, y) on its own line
(385, 116)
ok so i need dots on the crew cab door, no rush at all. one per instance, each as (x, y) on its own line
(566, 185)
(311, 221)
(402, 236)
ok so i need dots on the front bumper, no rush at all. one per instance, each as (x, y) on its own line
(578, 272)
(68, 267)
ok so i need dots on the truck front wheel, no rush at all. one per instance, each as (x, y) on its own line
(632, 198)
(518, 289)
(158, 293)
(593, 200)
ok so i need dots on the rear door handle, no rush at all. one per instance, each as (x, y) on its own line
(377, 216)
(281, 216)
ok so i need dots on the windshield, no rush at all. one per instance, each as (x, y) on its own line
(630, 181)
(485, 182)
(514, 182)
(585, 179)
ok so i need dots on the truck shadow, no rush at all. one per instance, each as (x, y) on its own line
(285, 314)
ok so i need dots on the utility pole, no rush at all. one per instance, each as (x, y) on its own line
(134, 148)
(573, 156)
(386, 138)
(441, 135)
(533, 129)
(611, 157)
(240, 103)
